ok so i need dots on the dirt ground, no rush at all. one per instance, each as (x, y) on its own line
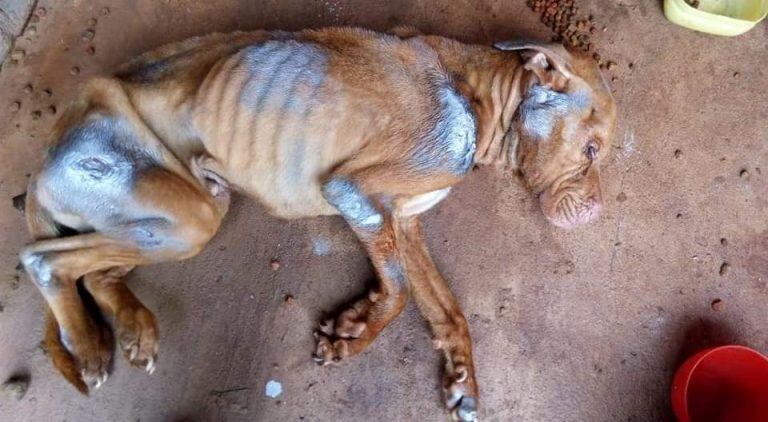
(582, 325)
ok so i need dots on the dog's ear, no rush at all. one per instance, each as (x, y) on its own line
(549, 62)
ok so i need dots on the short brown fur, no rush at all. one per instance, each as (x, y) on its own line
(374, 127)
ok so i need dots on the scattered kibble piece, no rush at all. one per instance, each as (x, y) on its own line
(88, 35)
(725, 268)
(75, 70)
(678, 153)
(51, 109)
(15, 106)
(718, 305)
(41, 12)
(36, 114)
(92, 22)
(274, 264)
(105, 11)
(621, 197)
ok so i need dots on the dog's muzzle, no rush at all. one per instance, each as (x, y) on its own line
(571, 206)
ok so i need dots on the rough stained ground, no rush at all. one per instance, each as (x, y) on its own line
(583, 325)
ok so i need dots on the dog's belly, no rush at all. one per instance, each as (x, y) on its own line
(270, 116)
(284, 172)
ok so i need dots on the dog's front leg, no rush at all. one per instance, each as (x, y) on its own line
(440, 308)
(356, 327)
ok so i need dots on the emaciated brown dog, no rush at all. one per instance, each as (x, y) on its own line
(374, 127)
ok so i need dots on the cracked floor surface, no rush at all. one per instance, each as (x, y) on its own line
(585, 325)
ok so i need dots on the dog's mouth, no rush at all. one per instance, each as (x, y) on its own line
(570, 204)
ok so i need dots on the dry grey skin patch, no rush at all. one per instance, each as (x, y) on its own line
(273, 389)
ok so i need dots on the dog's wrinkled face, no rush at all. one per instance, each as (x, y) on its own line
(565, 123)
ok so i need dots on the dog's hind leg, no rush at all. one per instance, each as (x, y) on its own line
(135, 325)
(54, 266)
(170, 220)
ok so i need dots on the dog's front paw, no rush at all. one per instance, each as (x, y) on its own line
(137, 336)
(461, 394)
(82, 357)
(344, 336)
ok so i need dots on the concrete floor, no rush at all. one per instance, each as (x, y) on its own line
(583, 325)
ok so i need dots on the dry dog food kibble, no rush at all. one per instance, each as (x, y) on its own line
(725, 268)
(562, 17)
(718, 305)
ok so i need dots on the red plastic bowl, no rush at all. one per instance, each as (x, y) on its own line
(727, 383)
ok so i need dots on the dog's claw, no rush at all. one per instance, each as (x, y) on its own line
(134, 352)
(326, 327)
(101, 380)
(151, 366)
(463, 374)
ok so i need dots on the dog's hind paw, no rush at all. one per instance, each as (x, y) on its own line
(137, 336)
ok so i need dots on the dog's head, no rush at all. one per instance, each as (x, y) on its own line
(565, 124)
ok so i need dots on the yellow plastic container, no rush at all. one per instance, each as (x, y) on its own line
(719, 17)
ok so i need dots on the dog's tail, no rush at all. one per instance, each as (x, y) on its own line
(42, 226)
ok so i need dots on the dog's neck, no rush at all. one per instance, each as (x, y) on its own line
(494, 83)
(496, 94)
